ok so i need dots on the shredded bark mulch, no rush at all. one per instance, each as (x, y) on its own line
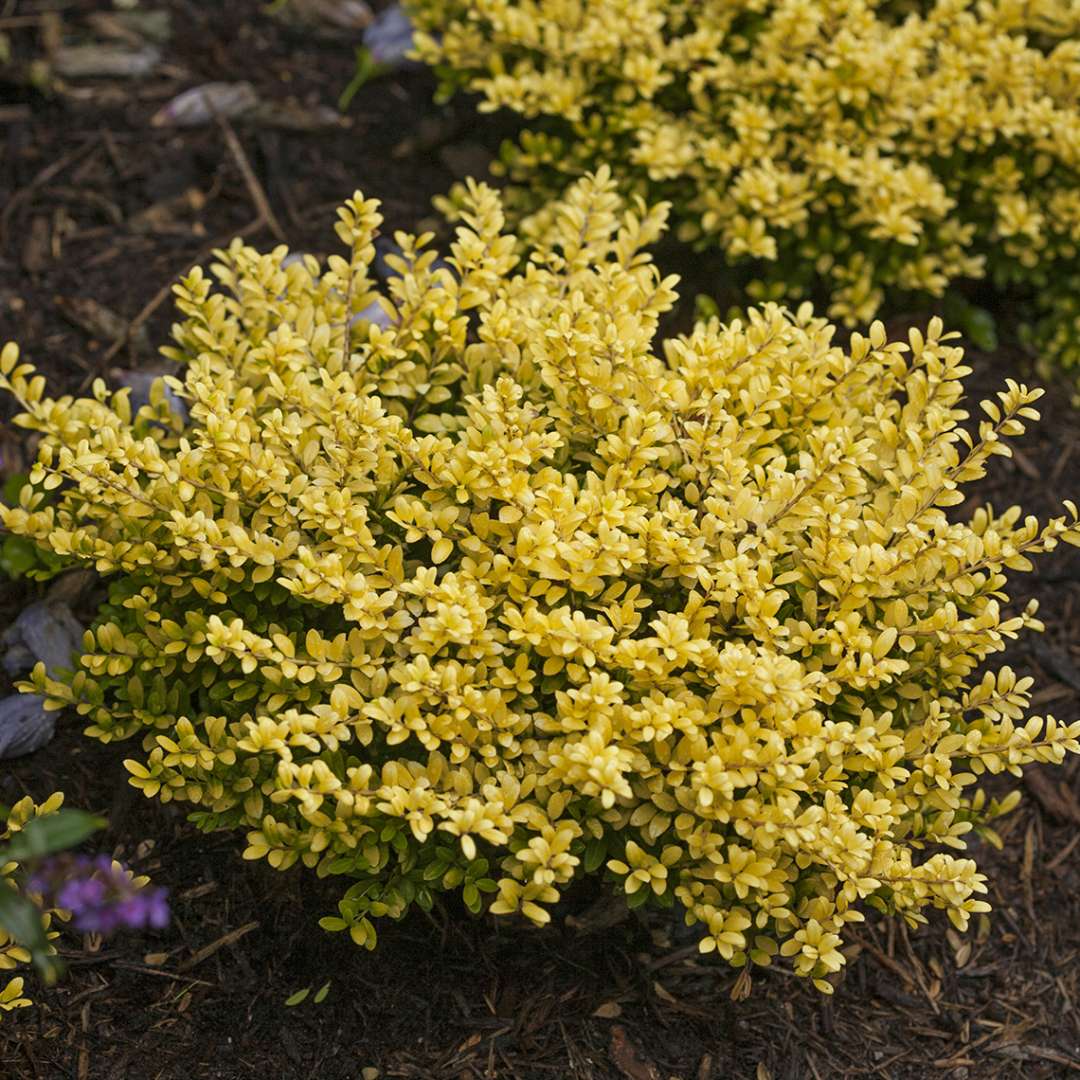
(99, 212)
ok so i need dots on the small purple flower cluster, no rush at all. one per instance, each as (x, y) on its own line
(100, 895)
(390, 37)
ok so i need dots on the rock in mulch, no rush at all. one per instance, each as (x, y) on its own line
(25, 726)
(373, 313)
(384, 247)
(141, 383)
(45, 631)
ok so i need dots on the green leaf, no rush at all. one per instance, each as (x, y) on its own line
(982, 329)
(299, 996)
(595, 853)
(332, 924)
(17, 556)
(20, 917)
(453, 877)
(50, 833)
(975, 323)
(12, 486)
(471, 895)
(320, 994)
(342, 865)
(705, 307)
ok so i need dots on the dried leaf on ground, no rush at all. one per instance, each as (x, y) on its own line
(1054, 796)
(105, 61)
(36, 250)
(96, 319)
(346, 15)
(628, 1058)
(293, 116)
(206, 103)
(133, 26)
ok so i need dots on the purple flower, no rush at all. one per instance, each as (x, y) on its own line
(390, 37)
(102, 896)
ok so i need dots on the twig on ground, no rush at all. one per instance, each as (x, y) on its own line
(255, 189)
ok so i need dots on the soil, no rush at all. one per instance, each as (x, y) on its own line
(99, 211)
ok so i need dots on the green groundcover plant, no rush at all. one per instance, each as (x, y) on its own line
(498, 591)
(862, 151)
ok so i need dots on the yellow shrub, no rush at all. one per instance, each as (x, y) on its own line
(842, 148)
(12, 955)
(502, 594)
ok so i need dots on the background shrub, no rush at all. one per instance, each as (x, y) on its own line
(501, 594)
(836, 149)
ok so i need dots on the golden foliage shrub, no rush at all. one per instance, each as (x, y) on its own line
(505, 593)
(12, 954)
(847, 149)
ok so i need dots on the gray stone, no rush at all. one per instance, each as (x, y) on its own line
(25, 726)
(46, 631)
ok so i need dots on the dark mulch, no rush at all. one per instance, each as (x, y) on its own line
(96, 205)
